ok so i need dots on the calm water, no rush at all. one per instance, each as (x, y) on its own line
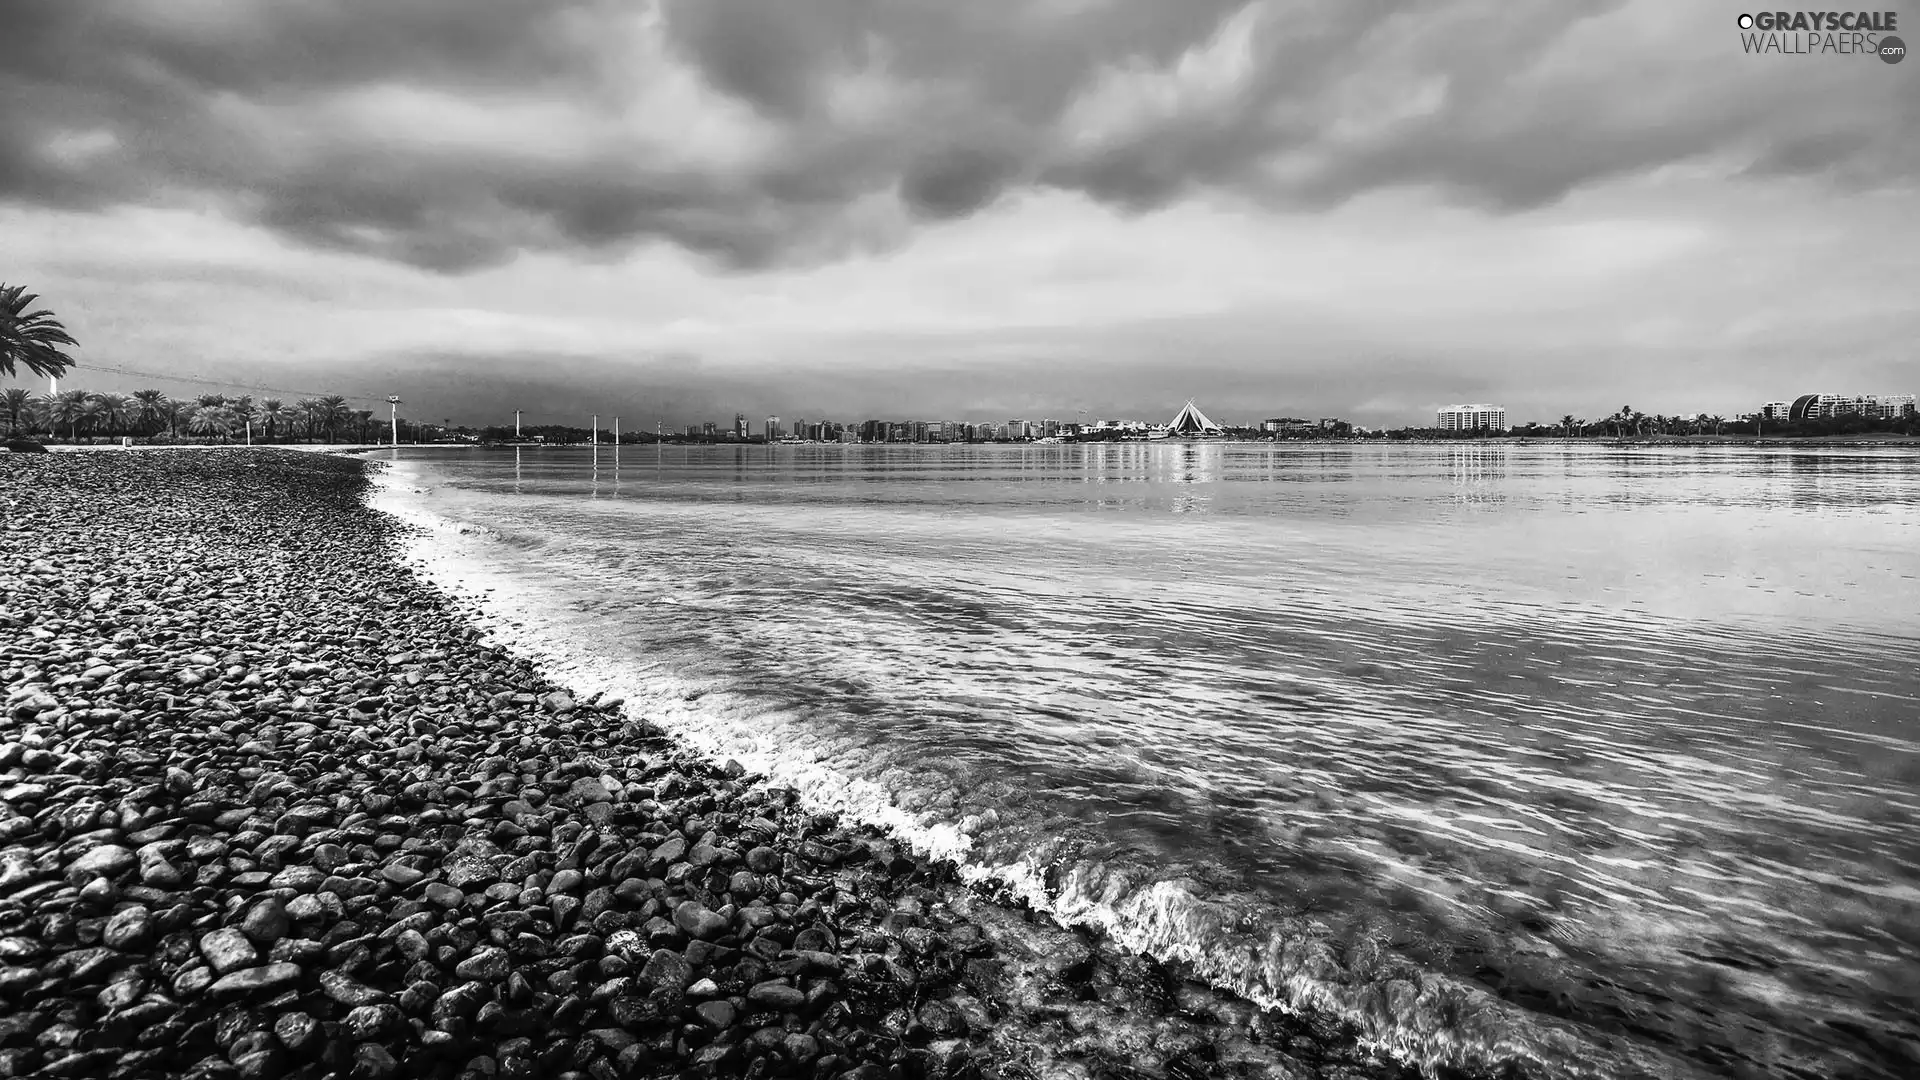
(1598, 761)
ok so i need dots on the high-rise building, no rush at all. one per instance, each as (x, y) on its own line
(1776, 410)
(739, 425)
(773, 428)
(709, 430)
(1471, 418)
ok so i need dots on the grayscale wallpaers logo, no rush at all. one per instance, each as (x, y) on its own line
(1818, 33)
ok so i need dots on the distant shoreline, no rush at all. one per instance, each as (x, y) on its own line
(1766, 441)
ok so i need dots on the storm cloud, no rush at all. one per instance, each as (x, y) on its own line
(455, 135)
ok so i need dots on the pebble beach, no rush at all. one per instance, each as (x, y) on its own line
(269, 806)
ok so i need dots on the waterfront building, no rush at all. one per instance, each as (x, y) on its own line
(1191, 421)
(1829, 406)
(773, 428)
(1471, 418)
(739, 425)
(1775, 410)
(709, 430)
(693, 431)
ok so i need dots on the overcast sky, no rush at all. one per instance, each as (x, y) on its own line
(852, 208)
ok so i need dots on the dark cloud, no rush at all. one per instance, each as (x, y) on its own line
(452, 134)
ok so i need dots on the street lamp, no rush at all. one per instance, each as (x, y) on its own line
(393, 418)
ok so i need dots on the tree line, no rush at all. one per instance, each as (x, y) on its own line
(83, 415)
(35, 340)
(1630, 423)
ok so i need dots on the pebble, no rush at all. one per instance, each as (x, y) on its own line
(489, 964)
(227, 949)
(107, 860)
(718, 1015)
(698, 920)
(266, 922)
(776, 995)
(264, 981)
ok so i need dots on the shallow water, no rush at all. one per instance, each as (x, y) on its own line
(1597, 761)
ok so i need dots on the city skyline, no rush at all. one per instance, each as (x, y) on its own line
(1108, 206)
(1767, 407)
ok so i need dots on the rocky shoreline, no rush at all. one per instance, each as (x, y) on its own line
(269, 807)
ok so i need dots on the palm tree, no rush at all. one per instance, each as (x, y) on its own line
(1566, 425)
(243, 410)
(116, 411)
(333, 415)
(65, 408)
(93, 415)
(210, 420)
(16, 404)
(149, 409)
(272, 412)
(32, 339)
(309, 408)
(363, 419)
(210, 401)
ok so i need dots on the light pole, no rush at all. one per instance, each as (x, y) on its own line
(393, 418)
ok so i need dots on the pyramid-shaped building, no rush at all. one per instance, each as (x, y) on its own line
(1191, 421)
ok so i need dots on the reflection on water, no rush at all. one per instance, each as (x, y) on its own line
(1597, 760)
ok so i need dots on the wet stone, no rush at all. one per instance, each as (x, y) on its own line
(129, 928)
(371, 1021)
(667, 969)
(264, 981)
(349, 991)
(227, 950)
(590, 790)
(266, 922)
(488, 964)
(468, 871)
(699, 921)
(296, 1030)
(107, 860)
(776, 995)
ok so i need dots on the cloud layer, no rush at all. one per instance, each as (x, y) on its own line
(454, 135)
